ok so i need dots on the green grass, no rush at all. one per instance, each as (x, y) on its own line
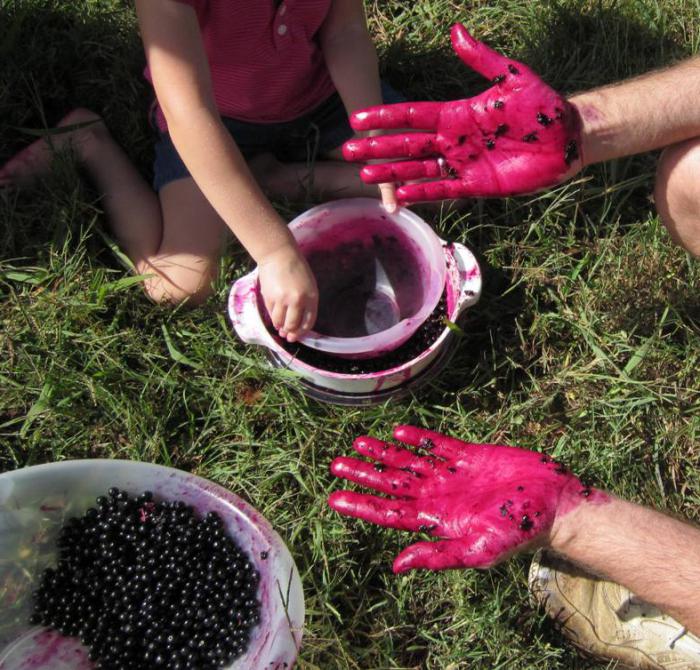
(586, 343)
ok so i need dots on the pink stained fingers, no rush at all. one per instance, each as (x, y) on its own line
(412, 145)
(403, 171)
(445, 189)
(377, 476)
(398, 514)
(438, 444)
(469, 552)
(397, 457)
(415, 115)
(481, 58)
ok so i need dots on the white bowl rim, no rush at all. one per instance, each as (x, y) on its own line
(344, 345)
(243, 509)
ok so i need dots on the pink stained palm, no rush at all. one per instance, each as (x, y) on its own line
(484, 501)
(520, 136)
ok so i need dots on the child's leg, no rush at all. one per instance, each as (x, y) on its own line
(326, 179)
(186, 260)
(176, 237)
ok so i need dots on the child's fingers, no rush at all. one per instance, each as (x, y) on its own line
(310, 314)
(309, 319)
(292, 321)
(388, 193)
(278, 314)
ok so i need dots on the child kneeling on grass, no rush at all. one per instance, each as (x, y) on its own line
(249, 93)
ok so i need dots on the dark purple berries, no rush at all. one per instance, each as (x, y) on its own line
(148, 584)
(499, 104)
(526, 523)
(543, 119)
(426, 443)
(490, 144)
(571, 152)
(423, 338)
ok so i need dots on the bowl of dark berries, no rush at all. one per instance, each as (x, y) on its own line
(118, 565)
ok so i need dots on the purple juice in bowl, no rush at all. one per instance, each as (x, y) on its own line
(35, 504)
(379, 275)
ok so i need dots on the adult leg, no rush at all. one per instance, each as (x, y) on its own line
(176, 237)
(677, 193)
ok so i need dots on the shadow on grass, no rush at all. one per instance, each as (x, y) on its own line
(56, 56)
(489, 355)
(578, 48)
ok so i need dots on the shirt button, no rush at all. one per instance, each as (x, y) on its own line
(283, 9)
(282, 29)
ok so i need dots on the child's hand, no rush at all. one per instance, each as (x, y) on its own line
(289, 291)
(517, 137)
(388, 194)
(387, 191)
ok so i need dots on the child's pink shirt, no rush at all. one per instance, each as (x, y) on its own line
(266, 61)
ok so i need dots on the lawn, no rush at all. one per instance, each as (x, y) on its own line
(586, 344)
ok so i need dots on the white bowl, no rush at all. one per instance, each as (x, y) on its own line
(35, 502)
(380, 275)
(463, 289)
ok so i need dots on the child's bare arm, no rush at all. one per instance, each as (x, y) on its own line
(350, 55)
(182, 81)
(352, 62)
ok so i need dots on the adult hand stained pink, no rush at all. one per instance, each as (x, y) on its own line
(519, 136)
(485, 501)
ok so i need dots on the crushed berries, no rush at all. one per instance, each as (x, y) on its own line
(148, 584)
(423, 338)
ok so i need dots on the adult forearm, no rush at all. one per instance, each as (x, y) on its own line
(654, 555)
(222, 174)
(642, 114)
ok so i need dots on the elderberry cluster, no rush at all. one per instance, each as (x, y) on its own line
(148, 584)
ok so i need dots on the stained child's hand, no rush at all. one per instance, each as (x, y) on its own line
(519, 136)
(289, 292)
(486, 501)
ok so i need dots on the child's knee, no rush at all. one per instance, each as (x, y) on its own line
(191, 288)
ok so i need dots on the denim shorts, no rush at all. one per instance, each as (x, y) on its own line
(301, 140)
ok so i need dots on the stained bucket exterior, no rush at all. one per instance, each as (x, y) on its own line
(463, 286)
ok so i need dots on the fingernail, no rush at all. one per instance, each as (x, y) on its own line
(390, 207)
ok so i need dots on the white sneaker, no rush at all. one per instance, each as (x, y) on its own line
(607, 620)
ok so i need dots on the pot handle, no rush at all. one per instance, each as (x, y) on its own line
(244, 313)
(470, 281)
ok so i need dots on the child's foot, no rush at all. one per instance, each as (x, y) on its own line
(35, 160)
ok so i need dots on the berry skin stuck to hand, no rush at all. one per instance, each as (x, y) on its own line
(520, 136)
(484, 501)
